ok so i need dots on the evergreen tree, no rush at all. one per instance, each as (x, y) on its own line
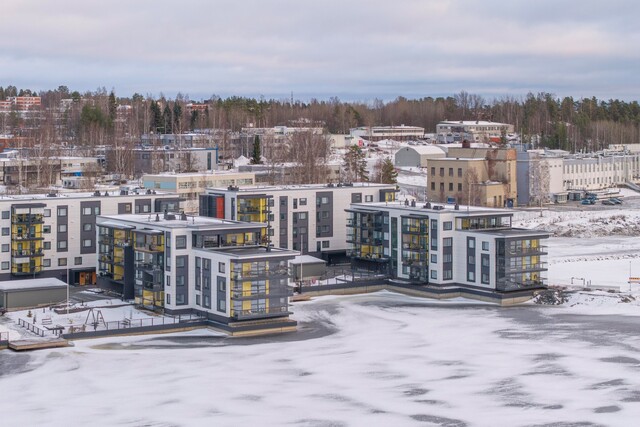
(388, 172)
(167, 119)
(156, 118)
(112, 109)
(355, 165)
(256, 158)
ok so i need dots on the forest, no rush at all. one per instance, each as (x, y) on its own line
(87, 119)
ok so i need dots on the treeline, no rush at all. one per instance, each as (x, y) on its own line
(548, 121)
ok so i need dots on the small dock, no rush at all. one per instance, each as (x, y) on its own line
(26, 345)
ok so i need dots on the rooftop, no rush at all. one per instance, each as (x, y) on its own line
(257, 188)
(173, 221)
(81, 195)
(421, 209)
(44, 283)
(254, 251)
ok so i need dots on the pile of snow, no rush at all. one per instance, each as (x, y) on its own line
(242, 161)
(619, 222)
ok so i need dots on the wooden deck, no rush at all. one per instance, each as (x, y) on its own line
(25, 345)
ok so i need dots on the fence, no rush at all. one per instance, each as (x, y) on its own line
(134, 323)
(31, 327)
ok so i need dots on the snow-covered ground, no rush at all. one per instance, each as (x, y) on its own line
(368, 360)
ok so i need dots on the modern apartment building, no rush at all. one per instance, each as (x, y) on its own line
(190, 185)
(55, 235)
(477, 130)
(188, 264)
(306, 218)
(378, 133)
(446, 245)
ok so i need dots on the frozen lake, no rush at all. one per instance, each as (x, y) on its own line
(380, 359)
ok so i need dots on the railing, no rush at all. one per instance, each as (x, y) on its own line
(259, 293)
(525, 268)
(31, 327)
(26, 252)
(135, 323)
(254, 274)
(26, 236)
(258, 312)
(529, 251)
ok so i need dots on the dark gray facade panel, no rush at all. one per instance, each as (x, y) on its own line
(182, 271)
(88, 219)
(283, 224)
(62, 236)
(324, 214)
(140, 204)
(122, 208)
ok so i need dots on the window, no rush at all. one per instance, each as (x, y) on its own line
(86, 211)
(450, 171)
(434, 274)
(221, 267)
(447, 241)
(459, 172)
(283, 217)
(447, 274)
(62, 211)
(303, 202)
(471, 276)
(459, 187)
(368, 198)
(197, 299)
(484, 279)
(47, 245)
(434, 258)
(6, 214)
(222, 284)
(441, 171)
(472, 259)
(207, 301)
(283, 201)
(96, 210)
(447, 225)
(62, 228)
(181, 242)
(180, 261)
(222, 305)
(46, 262)
(5, 265)
(5, 247)
(485, 246)
(324, 200)
(145, 209)
(325, 244)
(46, 229)
(62, 262)
(5, 231)
(324, 214)
(433, 186)
(471, 243)
(451, 186)
(283, 231)
(62, 244)
(77, 260)
(47, 213)
(87, 243)
(168, 281)
(433, 171)
(169, 299)
(302, 216)
(87, 226)
(179, 280)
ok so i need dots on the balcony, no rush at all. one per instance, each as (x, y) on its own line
(258, 313)
(150, 248)
(27, 253)
(27, 219)
(415, 230)
(27, 236)
(259, 274)
(541, 266)
(237, 293)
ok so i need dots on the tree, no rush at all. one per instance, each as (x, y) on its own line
(355, 165)
(387, 172)
(256, 157)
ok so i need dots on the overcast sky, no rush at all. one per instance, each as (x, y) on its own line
(354, 49)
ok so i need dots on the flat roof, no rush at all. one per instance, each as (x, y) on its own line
(83, 195)
(191, 221)
(307, 259)
(253, 188)
(253, 251)
(512, 232)
(420, 209)
(25, 284)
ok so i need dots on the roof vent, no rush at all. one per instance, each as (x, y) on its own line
(157, 218)
(183, 216)
(456, 207)
(106, 194)
(413, 203)
(96, 193)
(428, 205)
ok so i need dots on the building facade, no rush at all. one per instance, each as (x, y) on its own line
(190, 185)
(179, 264)
(306, 218)
(478, 131)
(55, 236)
(477, 176)
(442, 245)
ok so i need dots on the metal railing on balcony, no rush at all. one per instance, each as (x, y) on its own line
(258, 274)
(256, 313)
(27, 252)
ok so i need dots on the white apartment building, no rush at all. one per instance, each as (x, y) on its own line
(306, 218)
(190, 185)
(446, 245)
(55, 235)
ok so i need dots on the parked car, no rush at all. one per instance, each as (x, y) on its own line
(587, 201)
(616, 200)
(608, 202)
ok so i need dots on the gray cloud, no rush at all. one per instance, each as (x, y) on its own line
(357, 49)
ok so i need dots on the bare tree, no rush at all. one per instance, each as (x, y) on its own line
(309, 153)
(539, 180)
